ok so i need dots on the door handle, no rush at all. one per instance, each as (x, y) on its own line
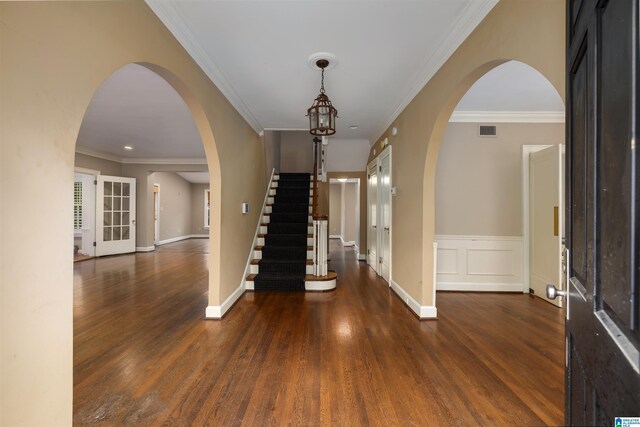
(386, 229)
(374, 226)
(553, 292)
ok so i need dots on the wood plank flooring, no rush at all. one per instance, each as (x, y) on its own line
(145, 355)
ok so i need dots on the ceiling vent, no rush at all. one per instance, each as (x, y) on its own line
(487, 131)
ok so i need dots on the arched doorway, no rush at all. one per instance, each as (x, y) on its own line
(482, 196)
(440, 125)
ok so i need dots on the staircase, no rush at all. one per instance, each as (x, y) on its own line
(285, 258)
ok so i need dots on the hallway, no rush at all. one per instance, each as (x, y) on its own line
(144, 355)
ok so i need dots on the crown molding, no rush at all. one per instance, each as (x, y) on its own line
(98, 154)
(167, 161)
(507, 117)
(139, 161)
(473, 14)
(174, 21)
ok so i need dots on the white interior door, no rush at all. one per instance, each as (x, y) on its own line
(156, 214)
(115, 215)
(546, 221)
(372, 216)
(384, 232)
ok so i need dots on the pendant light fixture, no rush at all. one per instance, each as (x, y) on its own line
(322, 115)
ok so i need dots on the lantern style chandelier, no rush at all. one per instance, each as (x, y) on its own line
(322, 115)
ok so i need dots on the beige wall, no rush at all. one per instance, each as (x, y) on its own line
(335, 209)
(296, 151)
(175, 204)
(106, 167)
(54, 57)
(479, 180)
(272, 151)
(350, 214)
(325, 208)
(197, 209)
(530, 31)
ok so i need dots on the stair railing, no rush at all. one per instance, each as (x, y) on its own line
(320, 222)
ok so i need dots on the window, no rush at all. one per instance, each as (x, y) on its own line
(77, 205)
(207, 208)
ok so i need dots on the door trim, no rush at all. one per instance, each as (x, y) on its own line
(377, 161)
(156, 211)
(526, 150)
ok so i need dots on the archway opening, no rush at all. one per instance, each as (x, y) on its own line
(149, 197)
(482, 185)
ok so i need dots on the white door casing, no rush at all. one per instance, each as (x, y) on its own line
(115, 215)
(384, 232)
(372, 215)
(379, 216)
(546, 209)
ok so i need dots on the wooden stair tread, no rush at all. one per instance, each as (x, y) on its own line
(271, 204)
(265, 224)
(263, 235)
(331, 275)
(259, 248)
(257, 261)
(307, 277)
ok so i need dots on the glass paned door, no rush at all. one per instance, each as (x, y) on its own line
(116, 206)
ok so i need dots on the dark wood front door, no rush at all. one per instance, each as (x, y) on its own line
(602, 361)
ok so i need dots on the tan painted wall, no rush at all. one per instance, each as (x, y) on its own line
(272, 151)
(335, 209)
(479, 180)
(350, 215)
(296, 151)
(54, 56)
(175, 204)
(324, 205)
(530, 31)
(106, 167)
(197, 209)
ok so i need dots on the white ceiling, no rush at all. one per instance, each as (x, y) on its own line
(256, 53)
(512, 86)
(195, 177)
(136, 107)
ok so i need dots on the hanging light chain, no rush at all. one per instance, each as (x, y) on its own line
(322, 81)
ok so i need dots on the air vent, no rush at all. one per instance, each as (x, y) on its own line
(487, 131)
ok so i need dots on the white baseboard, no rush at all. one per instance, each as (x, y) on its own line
(145, 248)
(480, 263)
(335, 236)
(217, 311)
(349, 243)
(362, 257)
(179, 238)
(479, 287)
(423, 311)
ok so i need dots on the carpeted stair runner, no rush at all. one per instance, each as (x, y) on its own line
(284, 255)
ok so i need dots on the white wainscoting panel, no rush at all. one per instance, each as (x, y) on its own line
(480, 263)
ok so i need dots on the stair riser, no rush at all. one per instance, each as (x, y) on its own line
(261, 241)
(268, 209)
(271, 200)
(266, 219)
(255, 269)
(275, 184)
(309, 285)
(272, 192)
(257, 254)
(263, 230)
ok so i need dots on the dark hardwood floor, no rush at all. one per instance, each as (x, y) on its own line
(145, 355)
